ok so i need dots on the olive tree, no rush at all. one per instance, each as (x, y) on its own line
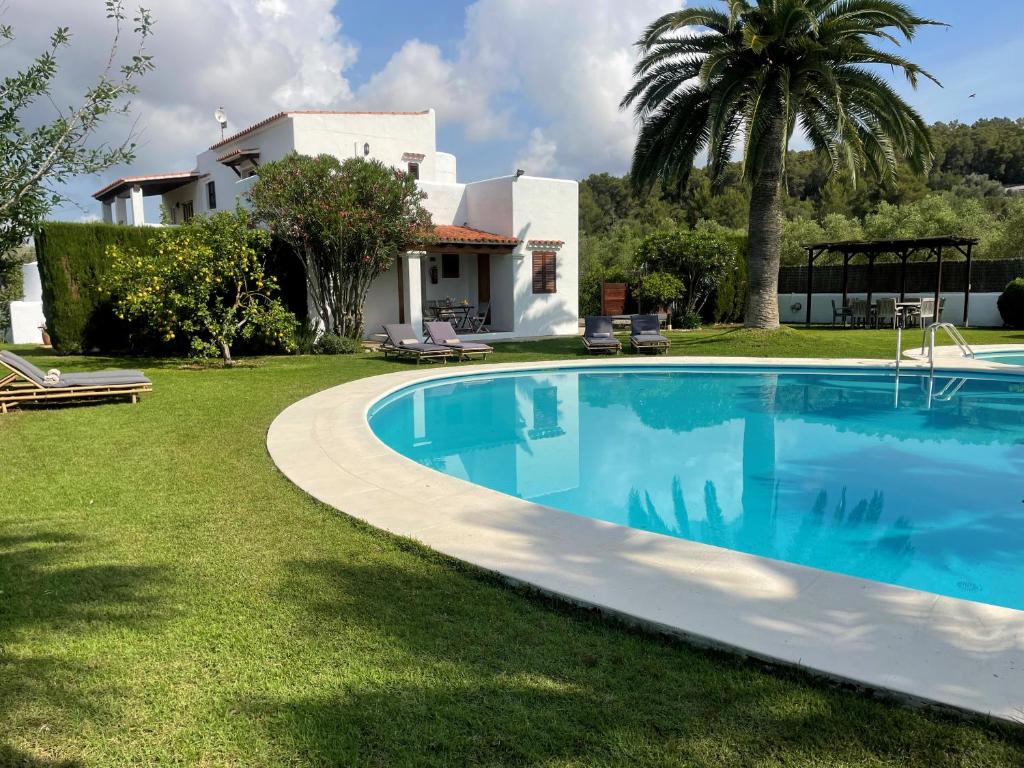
(346, 221)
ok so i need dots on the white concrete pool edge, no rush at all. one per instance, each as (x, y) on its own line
(950, 354)
(914, 644)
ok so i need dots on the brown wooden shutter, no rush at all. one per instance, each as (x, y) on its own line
(543, 272)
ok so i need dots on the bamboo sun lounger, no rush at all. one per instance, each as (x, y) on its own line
(21, 382)
(442, 334)
(403, 342)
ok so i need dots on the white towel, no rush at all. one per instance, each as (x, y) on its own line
(52, 377)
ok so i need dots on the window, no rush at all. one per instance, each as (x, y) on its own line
(186, 211)
(414, 170)
(450, 266)
(543, 272)
(211, 195)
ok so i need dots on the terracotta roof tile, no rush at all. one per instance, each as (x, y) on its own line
(449, 233)
(544, 243)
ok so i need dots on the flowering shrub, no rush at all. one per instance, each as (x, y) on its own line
(699, 258)
(204, 281)
(346, 221)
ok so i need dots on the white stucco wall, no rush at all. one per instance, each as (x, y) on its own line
(27, 314)
(390, 137)
(984, 312)
(546, 209)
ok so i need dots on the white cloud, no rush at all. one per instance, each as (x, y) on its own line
(252, 57)
(567, 62)
(540, 156)
(418, 77)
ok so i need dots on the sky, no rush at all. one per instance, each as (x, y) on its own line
(531, 84)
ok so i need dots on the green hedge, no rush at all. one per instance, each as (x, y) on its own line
(729, 302)
(72, 262)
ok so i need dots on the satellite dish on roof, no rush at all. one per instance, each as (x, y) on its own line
(221, 117)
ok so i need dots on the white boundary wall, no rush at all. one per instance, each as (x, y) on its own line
(27, 314)
(984, 313)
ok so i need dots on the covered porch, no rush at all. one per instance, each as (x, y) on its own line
(463, 275)
(122, 200)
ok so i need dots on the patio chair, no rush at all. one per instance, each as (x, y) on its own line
(926, 315)
(402, 341)
(859, 313)
(645, 334)
(885, 313)
(478, 321)
(25, 383)
(444, 335)
(840, 313)
(598, 337)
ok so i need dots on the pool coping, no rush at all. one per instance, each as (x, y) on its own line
(950, 353)
(920, 646)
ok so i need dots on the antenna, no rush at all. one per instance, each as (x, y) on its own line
(221, 117)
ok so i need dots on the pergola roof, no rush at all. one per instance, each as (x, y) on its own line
(897, 245)
(153, 184)
(903, 249)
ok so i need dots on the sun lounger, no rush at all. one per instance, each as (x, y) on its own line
(645, 334)
(598, 337)
(22, 382)
(403, 342)
(442, 334)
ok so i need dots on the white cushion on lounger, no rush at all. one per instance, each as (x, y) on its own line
(410, 341)
(451, 341)
(600, 335)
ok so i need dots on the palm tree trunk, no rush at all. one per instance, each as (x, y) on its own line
(764, 235)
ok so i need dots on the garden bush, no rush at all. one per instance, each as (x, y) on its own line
(687, 320)
(729, 301)
(1011, 304)
(72, 265)
(333, 344)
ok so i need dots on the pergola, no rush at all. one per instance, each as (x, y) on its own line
(902, 249)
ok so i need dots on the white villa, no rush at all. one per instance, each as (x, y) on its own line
(508, 245)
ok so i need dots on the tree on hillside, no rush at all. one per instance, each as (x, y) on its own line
(750, 75)
(346, 221)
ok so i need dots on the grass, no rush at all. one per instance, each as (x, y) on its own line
(166, 597)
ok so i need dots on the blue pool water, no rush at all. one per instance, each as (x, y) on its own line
(1006, 358)
(820, 468)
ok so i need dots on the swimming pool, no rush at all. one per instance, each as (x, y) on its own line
(814, 467)
(1006, 357)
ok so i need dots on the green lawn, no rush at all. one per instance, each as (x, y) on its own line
(166, 597)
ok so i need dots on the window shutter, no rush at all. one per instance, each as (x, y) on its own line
(544, 272)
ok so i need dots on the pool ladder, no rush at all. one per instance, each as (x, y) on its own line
(929, 337)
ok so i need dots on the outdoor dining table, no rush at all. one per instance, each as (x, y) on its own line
(459, 314)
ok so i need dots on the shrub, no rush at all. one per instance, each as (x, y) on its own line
(1011, 304)
(687, 320)
(700, 258)
(72, 265)
(333, 344)
(658, 290)
(729, 302)
(204, 281)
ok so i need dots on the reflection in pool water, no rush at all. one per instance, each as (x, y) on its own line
(818, 468)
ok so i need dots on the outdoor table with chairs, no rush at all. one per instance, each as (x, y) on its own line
(461, 314)
(885, 313)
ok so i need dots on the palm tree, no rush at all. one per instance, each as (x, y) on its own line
(712, 79)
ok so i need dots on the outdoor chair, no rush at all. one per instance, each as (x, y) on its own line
(25, 383)
(478, 320)
(598, 337)
(886, 313)
(840, 313)
(645, 334)
(403, 342)
(444, 335)
(859, 313)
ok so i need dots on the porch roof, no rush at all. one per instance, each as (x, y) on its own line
(153, 184)
(450, 235)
